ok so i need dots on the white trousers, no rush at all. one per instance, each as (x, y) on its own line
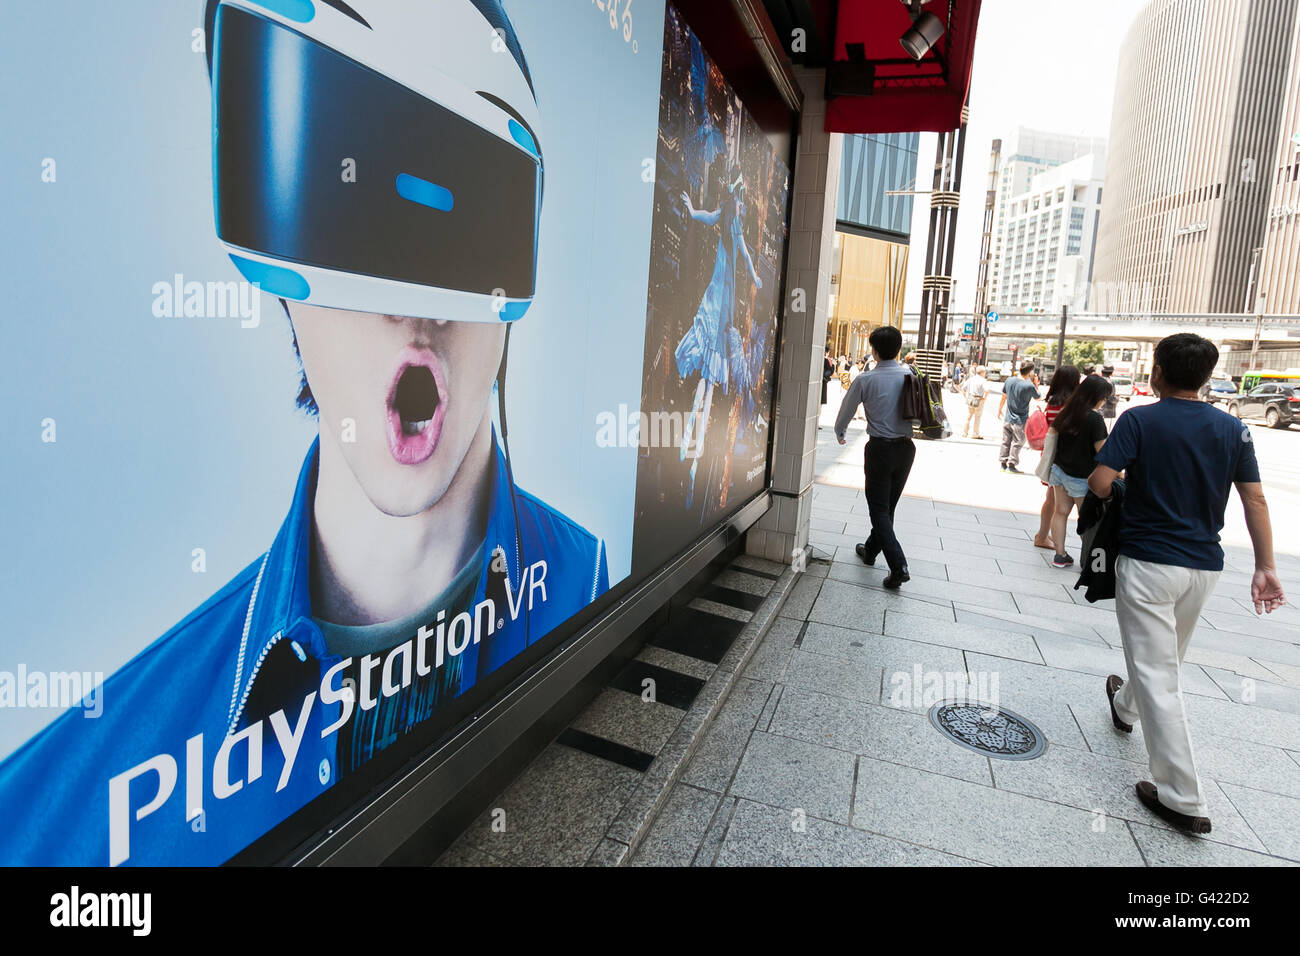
(1158, 606)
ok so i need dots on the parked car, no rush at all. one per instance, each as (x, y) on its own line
(1220, 389)
(1142, 388)
(1279, 405)
(1123, 386)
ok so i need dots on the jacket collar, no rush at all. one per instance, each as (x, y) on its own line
(281, 601)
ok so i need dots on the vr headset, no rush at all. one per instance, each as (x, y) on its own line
(377, 156)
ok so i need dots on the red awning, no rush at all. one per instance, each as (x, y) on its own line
(877, 88)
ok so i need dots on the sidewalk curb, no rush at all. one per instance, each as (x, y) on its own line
(638, 815)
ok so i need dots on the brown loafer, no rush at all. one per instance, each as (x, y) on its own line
(1113, 683)
(1146, 792)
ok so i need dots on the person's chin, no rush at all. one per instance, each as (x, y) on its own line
(406, 491)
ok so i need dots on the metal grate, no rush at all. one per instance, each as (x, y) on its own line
(992, 731)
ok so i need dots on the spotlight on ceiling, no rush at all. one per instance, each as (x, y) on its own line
(924, 32)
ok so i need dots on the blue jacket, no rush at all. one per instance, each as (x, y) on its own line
(169, 773)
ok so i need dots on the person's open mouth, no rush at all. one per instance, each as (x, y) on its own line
(417, 405)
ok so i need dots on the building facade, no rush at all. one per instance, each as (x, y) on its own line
(870, 249)
(1279, 281)
(1194, 133)
(1029, 237)
(1045, 247)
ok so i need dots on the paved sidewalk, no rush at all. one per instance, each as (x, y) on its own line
(823, 755)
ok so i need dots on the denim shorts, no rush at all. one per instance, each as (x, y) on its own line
(1074, 487)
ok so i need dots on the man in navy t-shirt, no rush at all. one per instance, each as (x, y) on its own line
(1182, 457)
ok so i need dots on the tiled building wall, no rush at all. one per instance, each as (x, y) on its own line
(784, 529)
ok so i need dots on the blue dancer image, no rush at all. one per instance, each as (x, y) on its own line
(711, 346)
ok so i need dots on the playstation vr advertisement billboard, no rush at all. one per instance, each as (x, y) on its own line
(326, 322)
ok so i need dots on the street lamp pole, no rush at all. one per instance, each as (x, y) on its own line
(1259, 326)
(1060, 339)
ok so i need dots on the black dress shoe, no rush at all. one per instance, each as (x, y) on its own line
(1113, 683)
(896, 578)
(868, 557)
(1146, 792)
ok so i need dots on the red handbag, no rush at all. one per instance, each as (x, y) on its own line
(1036, 430)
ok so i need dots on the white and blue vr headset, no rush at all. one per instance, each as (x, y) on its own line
(377, 156)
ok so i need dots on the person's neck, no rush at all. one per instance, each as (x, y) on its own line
(1187, 396)
(369, 567)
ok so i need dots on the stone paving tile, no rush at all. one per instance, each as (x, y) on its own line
(770, 836)
(1237, 664)
(849, 605)
(1256, 693)
(820, 719)
(681, 663)
(847, 566)
(747, 583)
(1275, 818)
(1226, 604)
(1251, 645)
(800, 600)
(1028, 624)
(1283, 673)
(1246, 723)
(981, 823)
(933, 590)
(1163, 847)
(1044, 573)
(1000, 536)
(715, 760)
(721, 610)
(825, 524)
(1262, 626)
(557, 811)
(1246, 763)
(794, 774)
(769, 660)
(852, 679)
(1012, 552)
(628, 720)
(906, 737)
(1104, 785)
(999, 643)
(891, 653)
(964, 533)
(679, 829)
(713, 837)
(1092, 716)
(1067, 653)
(461, 853)
(1019, 585)
(1075, 654)
(759, 564)
(952, 558)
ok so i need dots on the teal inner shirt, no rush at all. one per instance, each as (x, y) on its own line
(370, 731)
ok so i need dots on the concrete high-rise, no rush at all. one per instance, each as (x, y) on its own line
(1030, 240)
(1279, 270)
(1198, 101)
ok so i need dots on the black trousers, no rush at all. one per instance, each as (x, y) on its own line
(888, 463)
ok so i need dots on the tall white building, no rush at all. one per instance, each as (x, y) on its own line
(1045, 219)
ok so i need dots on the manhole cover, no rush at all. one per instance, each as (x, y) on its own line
(988, 730)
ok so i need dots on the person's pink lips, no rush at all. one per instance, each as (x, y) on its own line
(416, 406)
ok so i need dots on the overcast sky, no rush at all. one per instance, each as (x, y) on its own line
(1045, 64)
